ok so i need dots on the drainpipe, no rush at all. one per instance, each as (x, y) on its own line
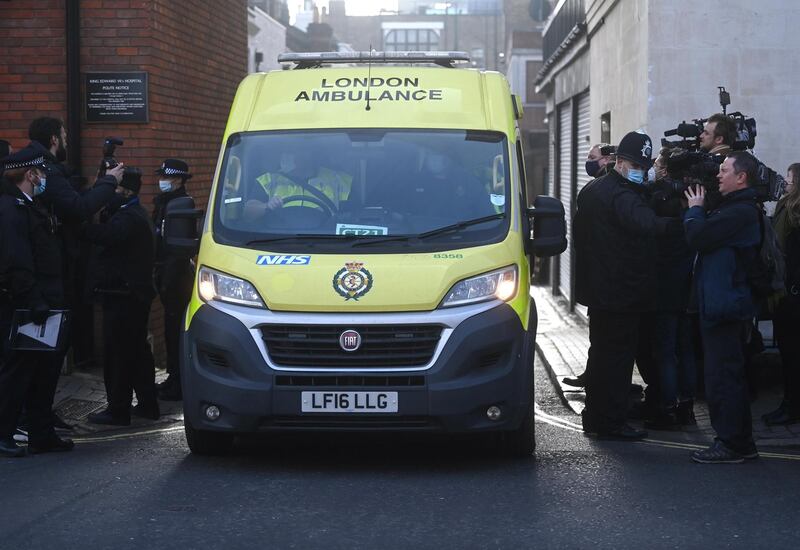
(74, 109)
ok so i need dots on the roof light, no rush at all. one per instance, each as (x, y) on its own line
(308, 59)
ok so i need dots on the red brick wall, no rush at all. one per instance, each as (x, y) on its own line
(33, 73)
(195, 53)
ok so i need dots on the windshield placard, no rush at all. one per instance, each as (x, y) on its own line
(360, 230)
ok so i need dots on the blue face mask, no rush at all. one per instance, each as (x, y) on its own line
(39, 189)
(636, 176)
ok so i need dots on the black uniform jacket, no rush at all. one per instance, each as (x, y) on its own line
(64, 201)
(614, 233)
(127, 251)
(174, 275)
(71, 209)
(33, 276)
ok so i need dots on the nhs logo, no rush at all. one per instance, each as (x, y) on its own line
(275, 259)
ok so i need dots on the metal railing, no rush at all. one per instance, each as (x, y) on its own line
(567, 15)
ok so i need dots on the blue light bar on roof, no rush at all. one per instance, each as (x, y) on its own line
(308, 58)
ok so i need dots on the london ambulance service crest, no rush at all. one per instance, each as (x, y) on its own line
(352, 281)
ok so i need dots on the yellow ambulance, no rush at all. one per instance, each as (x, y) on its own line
(365, 258)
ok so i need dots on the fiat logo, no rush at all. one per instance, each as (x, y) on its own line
(350, 340)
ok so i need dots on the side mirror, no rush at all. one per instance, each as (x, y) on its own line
(549, 227)
(180, 231)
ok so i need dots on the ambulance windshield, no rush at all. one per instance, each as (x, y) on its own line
(341, 188)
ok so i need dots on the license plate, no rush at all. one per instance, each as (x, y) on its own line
(349, 401)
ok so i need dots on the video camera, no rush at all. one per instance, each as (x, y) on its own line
(694, 165)
(110, 145)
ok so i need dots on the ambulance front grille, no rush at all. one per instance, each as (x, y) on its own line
(381, 345)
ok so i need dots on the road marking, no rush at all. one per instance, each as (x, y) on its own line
(571, 426)
(541, 416)
(128, 435)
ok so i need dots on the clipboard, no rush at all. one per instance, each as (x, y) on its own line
(51, 336)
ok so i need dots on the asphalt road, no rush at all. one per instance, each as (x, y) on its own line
(147, 491)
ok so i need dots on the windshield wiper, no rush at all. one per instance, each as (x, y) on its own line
(303, 236)
(433, 232)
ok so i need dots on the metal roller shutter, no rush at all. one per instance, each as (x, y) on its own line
(584, 137)
(584, 144)
(565, 192)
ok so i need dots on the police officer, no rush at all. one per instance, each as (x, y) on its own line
(127, 244)
(174, 274)
(614, 236)
(33, 282)
(70, 208)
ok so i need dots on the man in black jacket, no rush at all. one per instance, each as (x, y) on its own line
(33, 282)
(726, 241)
(614, 232)
(70, 208)
(174, 274)
(126, 287)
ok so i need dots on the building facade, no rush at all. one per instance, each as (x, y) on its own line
(49, 48)
(482, 34)
(266, 39)
(610, 67)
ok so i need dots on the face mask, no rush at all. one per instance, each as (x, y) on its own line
(651, 174)
(39, 189)
(592, 168)
(635, 176)
(165, 185)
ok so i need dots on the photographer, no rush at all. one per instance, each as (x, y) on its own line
(49, 138)
(672, 340)
(718, 135)
(726, 241)
(126, 286)
(599, 160)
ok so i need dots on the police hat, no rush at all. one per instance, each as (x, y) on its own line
(636, 147)
(174, 168)
(28, 157)
(131, 179)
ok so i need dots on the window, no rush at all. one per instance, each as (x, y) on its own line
(335, 186)
(411, 40)
(605, 128)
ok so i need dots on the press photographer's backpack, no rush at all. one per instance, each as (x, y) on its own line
(766, 274)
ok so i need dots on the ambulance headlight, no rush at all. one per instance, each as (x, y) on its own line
(213, 285)
(500, 284)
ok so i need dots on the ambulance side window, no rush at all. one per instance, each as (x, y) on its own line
(523, 185)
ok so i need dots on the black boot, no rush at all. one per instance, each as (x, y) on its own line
(151, 412)
(50, 444)
(172, 392)
(9, 448)
(664, 419)
(576, 382)
(786, 413)
(107, 418)
(685, 413)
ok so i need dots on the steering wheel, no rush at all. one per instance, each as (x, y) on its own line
(326, 208)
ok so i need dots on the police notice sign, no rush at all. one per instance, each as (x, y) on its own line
(116, 97)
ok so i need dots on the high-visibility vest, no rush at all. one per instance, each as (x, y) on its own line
(334, 185)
